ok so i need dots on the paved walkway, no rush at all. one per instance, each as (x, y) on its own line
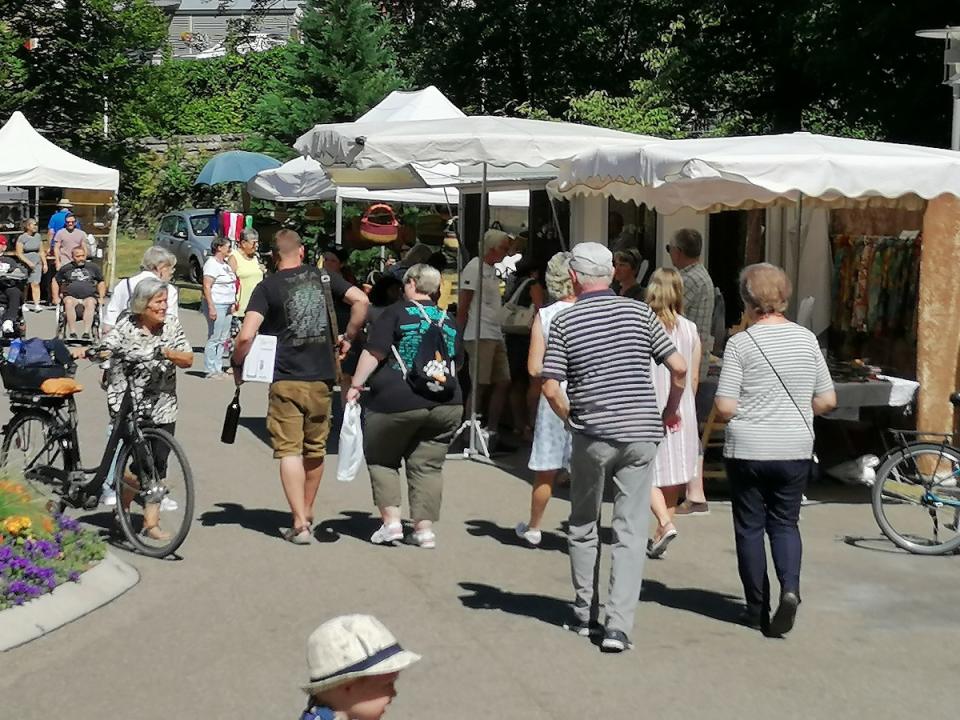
(220, 634)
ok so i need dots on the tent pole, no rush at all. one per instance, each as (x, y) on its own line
(556, 224)
(112, 243)
(338, 236)
(475, 438)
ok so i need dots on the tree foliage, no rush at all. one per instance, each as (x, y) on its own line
(342, 66)
(90, 58)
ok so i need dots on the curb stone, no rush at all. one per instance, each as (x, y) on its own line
(107, 580)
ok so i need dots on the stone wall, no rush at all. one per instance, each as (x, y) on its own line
(193, 145)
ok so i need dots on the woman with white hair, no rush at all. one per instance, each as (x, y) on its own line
(409, 421)
(551, 439)
(158, 345)
(157, 262)
(245, 263)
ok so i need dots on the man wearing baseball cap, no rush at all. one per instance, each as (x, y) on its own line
(602, 348)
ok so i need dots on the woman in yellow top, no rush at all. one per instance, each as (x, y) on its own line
(245, 262)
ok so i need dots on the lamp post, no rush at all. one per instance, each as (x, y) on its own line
(951, 72)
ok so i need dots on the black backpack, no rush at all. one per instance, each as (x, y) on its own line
(433, 375)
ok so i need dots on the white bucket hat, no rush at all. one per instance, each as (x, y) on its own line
(352, 646)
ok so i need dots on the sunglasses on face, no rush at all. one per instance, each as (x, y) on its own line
(669, 248)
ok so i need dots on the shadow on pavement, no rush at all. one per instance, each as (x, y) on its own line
(718, 606)
(257, 427)
(550, 610)
(354, 523)
(508, 536)
(261, 520)
(873, 544)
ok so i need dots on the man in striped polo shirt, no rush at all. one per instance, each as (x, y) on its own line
(602, 347)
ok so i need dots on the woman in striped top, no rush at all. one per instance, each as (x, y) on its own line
(774, 380)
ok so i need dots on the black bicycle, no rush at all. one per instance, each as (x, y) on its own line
(145, 466)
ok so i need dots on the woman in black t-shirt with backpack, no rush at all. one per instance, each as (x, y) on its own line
(414, 405)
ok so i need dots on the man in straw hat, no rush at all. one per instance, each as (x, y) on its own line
(353, 662)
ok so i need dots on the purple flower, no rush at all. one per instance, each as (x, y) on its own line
(74, 576)
(68, 523)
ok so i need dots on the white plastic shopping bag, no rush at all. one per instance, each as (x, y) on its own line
(351, 444)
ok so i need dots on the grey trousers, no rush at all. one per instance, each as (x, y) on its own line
(420, 439)
(630, 465)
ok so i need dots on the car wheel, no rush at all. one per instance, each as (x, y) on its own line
(196, 271)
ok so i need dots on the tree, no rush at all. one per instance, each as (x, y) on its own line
(89, 59)
(341, 67)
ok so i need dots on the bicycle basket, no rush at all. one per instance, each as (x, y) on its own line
(46, 359)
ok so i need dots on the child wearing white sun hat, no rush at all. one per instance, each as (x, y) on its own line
(353, 662)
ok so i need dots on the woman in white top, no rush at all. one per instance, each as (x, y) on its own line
(678, 456)
(551, 439)
(219, 302)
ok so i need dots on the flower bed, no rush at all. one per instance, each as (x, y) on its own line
(39, 551)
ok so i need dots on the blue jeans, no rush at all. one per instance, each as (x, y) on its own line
(766, 500)
(218, 332)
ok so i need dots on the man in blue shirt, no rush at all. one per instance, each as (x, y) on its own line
(58, 220)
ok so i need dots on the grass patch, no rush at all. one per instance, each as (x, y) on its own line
(130, 250)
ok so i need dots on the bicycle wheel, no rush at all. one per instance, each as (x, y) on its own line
(154, 486)
(27, 452)
(916, 499)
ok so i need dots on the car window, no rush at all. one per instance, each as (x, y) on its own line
(168, 224)
(181, 226)
(202, 224)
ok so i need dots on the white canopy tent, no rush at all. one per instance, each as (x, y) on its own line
(27, 159)
(392, 154)
(304, 180)
(799, 169)
(815, 171)
(744, 172)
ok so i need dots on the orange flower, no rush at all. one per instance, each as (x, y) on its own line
(48, 524)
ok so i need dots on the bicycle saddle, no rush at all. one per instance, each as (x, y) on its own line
(955, 398)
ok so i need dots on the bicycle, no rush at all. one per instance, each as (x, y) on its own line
(916, 493)
(147, 466)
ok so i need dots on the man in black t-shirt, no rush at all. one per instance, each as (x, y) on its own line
(292, 305)
(81, 284)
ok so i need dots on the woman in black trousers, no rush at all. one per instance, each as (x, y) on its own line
(774, 380)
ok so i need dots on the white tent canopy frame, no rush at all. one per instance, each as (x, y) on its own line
(798, 170)
(510, 150)
(27, 159)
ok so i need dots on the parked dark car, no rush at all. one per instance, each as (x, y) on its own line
(188, 234)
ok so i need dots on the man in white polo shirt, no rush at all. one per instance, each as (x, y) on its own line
(489, 346)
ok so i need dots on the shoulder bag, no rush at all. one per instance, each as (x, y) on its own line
(514, 318)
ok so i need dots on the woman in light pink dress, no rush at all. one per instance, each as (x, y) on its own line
(679, 453)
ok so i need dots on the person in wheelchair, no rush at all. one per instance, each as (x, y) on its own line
(82, 287)
(13, 280)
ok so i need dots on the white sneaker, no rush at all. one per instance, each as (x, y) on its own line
(531, 535)
(425, 539)
(7, 326)
(387, 534)
(168, 504)
(109, 498)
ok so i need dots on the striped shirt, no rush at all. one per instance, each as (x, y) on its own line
(767, 425)
(602, 347)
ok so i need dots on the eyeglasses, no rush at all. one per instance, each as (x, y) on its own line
(669, 248)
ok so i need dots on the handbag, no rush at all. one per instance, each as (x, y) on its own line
(516, 319)
(379, 224)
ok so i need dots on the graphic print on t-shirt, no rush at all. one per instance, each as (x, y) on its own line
(412, 333)
(306, 310)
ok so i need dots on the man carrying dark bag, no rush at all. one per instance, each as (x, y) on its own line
(292, 304)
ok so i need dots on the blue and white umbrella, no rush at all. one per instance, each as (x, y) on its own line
(234, 166)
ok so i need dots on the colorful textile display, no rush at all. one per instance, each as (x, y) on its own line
(876, 281)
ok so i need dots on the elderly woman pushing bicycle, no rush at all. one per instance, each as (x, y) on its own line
(148, 347)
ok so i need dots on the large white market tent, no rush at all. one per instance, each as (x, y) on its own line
(304, 180)
(27, 159)
(392, 154)
(743, 172)
(513, 151)
(718, 173)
